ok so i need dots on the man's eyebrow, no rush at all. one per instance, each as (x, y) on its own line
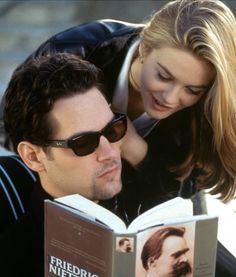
(169, 73)
(179, 253)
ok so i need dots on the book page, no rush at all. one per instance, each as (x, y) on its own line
(174, 208)
(87, 206)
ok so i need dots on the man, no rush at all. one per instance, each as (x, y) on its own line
(124, 245)
(64, 130)
(164, 254)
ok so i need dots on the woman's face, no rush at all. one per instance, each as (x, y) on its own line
(171, 80)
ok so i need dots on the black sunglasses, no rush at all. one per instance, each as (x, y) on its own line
(86, 143)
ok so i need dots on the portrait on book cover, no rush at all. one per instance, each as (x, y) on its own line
(124, 244)
(165, 251)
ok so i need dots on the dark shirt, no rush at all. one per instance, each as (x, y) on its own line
(22, 241)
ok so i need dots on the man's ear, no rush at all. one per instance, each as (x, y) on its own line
(151, 262)
(31, 154)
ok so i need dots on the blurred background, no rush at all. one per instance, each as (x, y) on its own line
(25, 24)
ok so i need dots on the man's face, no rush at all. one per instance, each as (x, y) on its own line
(96, 176)
(173, 261)
(126, 246)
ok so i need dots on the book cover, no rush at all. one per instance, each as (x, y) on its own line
(85, 243)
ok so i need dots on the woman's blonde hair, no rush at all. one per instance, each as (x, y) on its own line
(207, 28)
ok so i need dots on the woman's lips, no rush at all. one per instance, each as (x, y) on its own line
(159, 106)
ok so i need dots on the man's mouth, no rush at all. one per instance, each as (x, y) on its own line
(109, 171)
(182, 269)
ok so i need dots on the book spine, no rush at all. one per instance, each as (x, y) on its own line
(123, 262)
(205, 248)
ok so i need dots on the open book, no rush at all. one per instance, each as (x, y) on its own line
(85, 239)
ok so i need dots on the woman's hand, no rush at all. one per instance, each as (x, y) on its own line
(134, 147)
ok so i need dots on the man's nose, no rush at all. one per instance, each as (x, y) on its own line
(183, 258)
(107, 150)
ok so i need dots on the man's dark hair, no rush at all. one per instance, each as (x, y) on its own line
(122, 241)
(153, 246)
(34, 88)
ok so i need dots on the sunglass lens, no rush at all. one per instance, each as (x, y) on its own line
(85, 145)
(116, 130)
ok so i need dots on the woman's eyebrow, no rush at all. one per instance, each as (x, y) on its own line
(165, 69)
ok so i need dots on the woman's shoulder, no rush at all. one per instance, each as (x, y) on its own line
(84, 38)
(97, 29)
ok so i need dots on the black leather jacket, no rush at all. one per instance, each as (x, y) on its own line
(104, 43)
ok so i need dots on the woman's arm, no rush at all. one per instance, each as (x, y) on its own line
(134, 148)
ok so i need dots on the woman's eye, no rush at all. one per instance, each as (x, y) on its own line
(194, 92)
(163, 77)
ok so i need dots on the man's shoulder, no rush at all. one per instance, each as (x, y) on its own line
(16, 184)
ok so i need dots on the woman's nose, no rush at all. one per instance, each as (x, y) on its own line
(171, 95)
